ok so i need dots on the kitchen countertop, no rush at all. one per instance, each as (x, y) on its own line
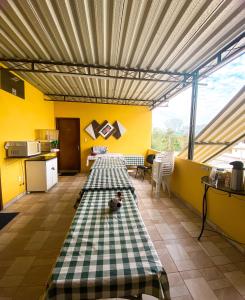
(41, 158)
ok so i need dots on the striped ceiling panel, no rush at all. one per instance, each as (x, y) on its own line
(176, 35)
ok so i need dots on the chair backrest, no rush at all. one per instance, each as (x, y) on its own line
(167, 158)
(150, 158)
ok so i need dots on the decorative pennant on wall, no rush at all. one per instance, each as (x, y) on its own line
(94, 129)
(119, 130)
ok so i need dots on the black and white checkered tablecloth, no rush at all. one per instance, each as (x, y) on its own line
(107, 255)
(108, 179)
(109, 163)
(134, 160)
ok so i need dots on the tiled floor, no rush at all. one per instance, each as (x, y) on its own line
(206, 270)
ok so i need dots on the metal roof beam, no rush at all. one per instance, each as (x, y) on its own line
(89, 75)
(225, 147)
(98, 100)
(226, 54)
(92, 71)
(212, 143)
(192, 126)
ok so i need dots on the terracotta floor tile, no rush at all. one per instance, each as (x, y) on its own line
(37, 276)
(3, 270)
(220, 260)
(200, 289)
(50, 221)
(191, 248)
(240, 266)
(210, 249)
(190, 226)
(211, 273)
(233, 255)
(228, 293)
(8, 281)
(201, 260)
(219, 284)
(30, 293)
(20, 265)
(237, 278)
(163, 228)
(154, 214)
(177, 252)
(228, 268)
(185, 265)
(144, 297)
(7, 293)
(155, 236)
(7, 237)
(180, 290)
(159, 245)
(191, 274)
(43, 262)
(37, 241)
(36, 234)
(186, 297)
(168, 263)
(175, 279)
(219, 241)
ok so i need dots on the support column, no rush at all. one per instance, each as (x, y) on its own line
(193, 116)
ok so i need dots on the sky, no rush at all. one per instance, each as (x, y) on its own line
(220, 87)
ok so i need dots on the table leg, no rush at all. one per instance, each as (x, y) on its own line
(204, 210)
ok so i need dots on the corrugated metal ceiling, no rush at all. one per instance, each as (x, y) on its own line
(175, 35)
(222, 132)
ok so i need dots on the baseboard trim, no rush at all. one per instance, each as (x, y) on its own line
(239, 247)
(15, 199)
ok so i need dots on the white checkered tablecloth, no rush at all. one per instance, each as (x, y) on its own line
(109, 163)
(134, 160)
(107, 155)
(108, 179)
(107, 255)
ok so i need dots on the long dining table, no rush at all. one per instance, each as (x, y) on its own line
(107, 254)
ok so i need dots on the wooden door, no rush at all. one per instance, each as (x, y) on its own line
(69, 158)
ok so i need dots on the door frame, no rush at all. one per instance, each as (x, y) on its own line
(79, 139)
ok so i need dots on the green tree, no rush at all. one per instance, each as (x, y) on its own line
(168, 140)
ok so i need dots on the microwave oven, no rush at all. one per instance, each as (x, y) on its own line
(22, 148)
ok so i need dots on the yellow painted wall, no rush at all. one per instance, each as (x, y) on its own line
(226, 212)
(136, 120)
(18, 120)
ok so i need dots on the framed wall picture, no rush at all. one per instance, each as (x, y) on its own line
(106, 130)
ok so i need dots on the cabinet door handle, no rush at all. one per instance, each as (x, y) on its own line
(52, 168)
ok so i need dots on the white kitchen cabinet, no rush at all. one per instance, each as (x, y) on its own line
(41, 173)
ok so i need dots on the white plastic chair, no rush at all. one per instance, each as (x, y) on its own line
(162, 170)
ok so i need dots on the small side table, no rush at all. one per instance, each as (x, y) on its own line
(208, 184)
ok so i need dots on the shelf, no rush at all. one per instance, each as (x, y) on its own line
(221, 187)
